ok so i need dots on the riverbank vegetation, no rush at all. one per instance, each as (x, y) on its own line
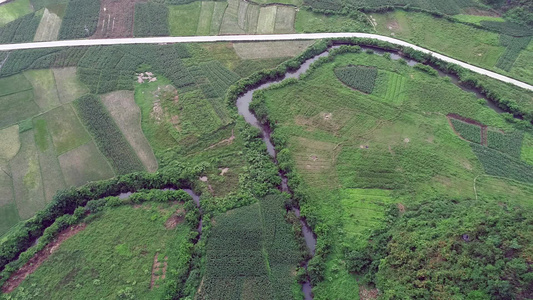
(345, 144)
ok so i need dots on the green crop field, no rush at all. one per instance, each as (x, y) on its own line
(469, 132)
(80, 20)
(114, 256)
(14, 10)
(361, 151)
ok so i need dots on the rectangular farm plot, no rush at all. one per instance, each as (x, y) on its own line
(467, 131)
(205, 18)
(53, 180)
(65, 128)
(48, 29)
(218, 15)
(14, 84)
(116, 19)
(27, 181)
(17, 107)
(84, 164)
(267, 20)
(230, 21)
(44, 88)
(259, 50)
(8, 216)
(184, 19)
(122, 107)
(69, 88)
(390, 86)
(285, 17)
(14, 10)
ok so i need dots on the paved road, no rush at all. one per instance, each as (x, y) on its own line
(247, 38)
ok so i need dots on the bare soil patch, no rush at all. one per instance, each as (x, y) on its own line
(116, 19)
(177, 218)
(159, 270)
(366, 293)
(34, 263)
(223, 171)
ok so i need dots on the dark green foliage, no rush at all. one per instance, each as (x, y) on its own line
(499, 164)
(80, 20)
(508, 28)
(254, 246)
(38, 4)
(509, 143)
(107, 135)
(467, 131)
(358, 77)
(21, 30)
(219, 78)
(151, 19)
(24, 59)
(514, 46)
(445, 249)
(329, 5)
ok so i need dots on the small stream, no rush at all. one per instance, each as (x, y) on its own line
(243, 107)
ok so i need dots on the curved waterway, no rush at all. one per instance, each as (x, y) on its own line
(243, 107)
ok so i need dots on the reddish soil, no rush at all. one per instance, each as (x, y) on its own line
(116, 19)
(177, 218)
(366, 293)
(155, 270)
(34, 263)
(469, 121)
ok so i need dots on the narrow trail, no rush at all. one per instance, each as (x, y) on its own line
(256, 38)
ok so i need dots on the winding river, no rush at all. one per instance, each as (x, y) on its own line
(243, 107)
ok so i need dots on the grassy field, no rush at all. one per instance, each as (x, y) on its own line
(308, 21)
(48, 29)
(114, 256)
(270, 49)
(44, 88)
(14, 10)
(69, 88)
(65, 128)
(369, 151)
(233, 17)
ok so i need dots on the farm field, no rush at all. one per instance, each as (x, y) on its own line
(233, 17)
(484, 48)
(116, 19)
(49, 26)
(14, 10)
(354, 150)
(115, 254)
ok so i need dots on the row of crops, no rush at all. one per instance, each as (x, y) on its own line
(151, 19)
(361, 78)
(508, 143)
(513, 47)
(107, 135)
(21, 30)
(508, 28)
(251, 251)
(497, 163)
(80, 20)
(467, 131)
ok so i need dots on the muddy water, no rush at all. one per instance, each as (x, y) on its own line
(243, 107)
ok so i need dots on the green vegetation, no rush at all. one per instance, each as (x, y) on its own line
(358, 77)
(468, 131)
(114, 255)
(184, 18)
(502, 165)
(80, 20)
(448, 7)
(462, 249)
(508, 28)
(509, 143)
(251, 251)
(151, 19)
(477, 19)
(107, 135)
(20, 30)
(14, 10)
(514, 46)
(309, 21)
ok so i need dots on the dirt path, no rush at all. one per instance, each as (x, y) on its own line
(34, 263)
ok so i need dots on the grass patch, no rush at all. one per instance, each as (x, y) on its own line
(65, 128)
(69, 88)
(14, 10)
(267, 19)
(477, 19)
(14, 84)
(264, 50)
(10, 142)
(184, 18)
(307, 21)
(526, 153)
(205, 18)
(49, 26)
(44, 88)
(114, 255)
(107, 135)
(84, 164)
(17, 107)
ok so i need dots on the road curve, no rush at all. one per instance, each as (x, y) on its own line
(251, 38)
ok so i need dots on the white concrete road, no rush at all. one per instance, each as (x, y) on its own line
(251, 38)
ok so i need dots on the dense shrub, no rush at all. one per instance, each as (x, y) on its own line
(508, 28)
(509, 143)
(499, 164)
(20, 30)
(80, 20)
(513, 47)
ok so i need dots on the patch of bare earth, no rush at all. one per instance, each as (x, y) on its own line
(116, 19)
(37, 260)
(175, 219)
(159, 270)
(366, 293)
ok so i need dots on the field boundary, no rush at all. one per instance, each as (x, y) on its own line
(39, 258)
(483, 127)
